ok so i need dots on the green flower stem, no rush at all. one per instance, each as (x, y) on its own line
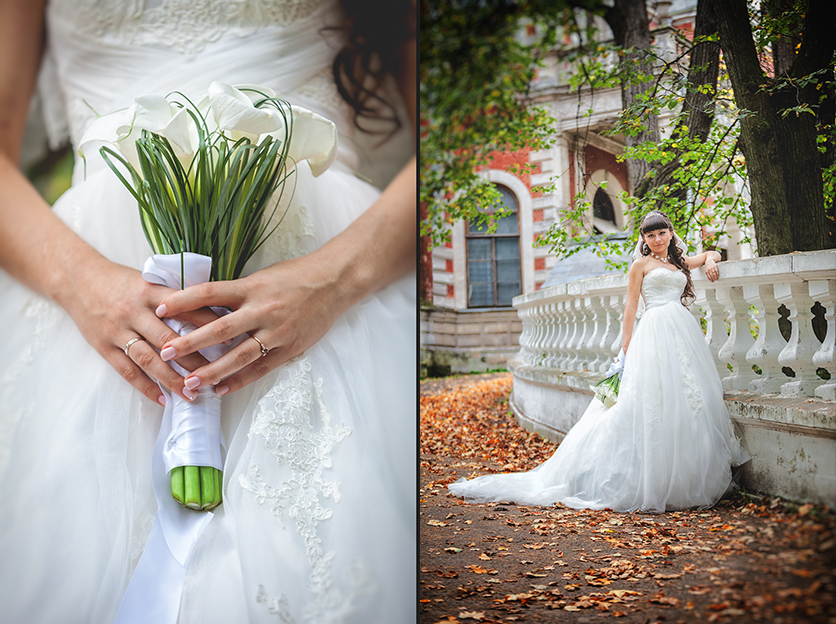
(192, 482)
(177, 485)
(207, 487)
(219, 482)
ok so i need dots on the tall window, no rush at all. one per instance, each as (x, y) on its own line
(493, 260)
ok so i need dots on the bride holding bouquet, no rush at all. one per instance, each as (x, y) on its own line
(317, 418)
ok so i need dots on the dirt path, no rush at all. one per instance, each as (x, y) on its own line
(748, 559)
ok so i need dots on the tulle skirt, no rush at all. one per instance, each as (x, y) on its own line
(668, 443)
(318, 519)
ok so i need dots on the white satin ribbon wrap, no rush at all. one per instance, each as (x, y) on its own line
(190, 435)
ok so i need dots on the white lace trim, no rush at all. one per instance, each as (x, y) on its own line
(185, 25)
(285, 419)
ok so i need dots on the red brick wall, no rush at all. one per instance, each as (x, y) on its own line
(596, 159)
(505, 160)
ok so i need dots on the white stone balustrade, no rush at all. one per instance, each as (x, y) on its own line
(576, 327)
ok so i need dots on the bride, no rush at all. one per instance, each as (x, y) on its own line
(668, 442)
(318, 518)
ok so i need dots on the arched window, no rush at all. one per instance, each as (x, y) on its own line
(602, 207)
(493, 260)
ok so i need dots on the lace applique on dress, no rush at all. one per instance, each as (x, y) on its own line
(287, 241)
(185, 25)
(45, 315)
(285, 419)
(692, 392)
(323, 89)
(277, 606)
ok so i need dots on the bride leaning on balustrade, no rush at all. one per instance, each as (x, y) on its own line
(318, 401)
(667, 442)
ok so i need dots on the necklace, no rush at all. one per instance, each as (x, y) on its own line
(665, 259)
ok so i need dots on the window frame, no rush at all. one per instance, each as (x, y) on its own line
(493, 237)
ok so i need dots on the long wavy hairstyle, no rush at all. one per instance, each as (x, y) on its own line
(658, 220)
(375, 30)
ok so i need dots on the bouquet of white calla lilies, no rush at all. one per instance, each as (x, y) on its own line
(208, 179)
(606, 390)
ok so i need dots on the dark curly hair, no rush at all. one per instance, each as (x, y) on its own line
(658, 220)
(375, 32)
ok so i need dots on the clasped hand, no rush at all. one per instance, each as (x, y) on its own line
(288, 307)
(285, 308)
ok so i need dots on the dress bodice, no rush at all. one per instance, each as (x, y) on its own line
(101, 54)
(661, 286)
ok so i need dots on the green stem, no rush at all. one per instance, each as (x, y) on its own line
(192, 487)
(207, 487)
(177, 486)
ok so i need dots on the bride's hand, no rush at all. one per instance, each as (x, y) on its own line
(711, 270)
(111, 306)
(287, 307)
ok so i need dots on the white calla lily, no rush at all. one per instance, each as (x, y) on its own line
(150, 112)
(314, 139)
(236, 115)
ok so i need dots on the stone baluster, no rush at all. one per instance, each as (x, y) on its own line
(585, 326)
(615, 306)
(525, 335)
(824, 292)
(548, 336)
(572, 335)
(697, 310)
(740, 338)
(536, 335)
(715, 332)
(533, 356)
(551, 339)
(803, 344)
(545, 330)
(599, 327)
(769, 343)
(565, 315)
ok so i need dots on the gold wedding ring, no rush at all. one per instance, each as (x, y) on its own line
(264, 349)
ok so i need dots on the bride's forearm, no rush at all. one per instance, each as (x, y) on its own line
(379, 247)
(36, 247)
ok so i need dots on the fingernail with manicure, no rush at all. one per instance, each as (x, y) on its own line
(222, 390)
(168, 354)
(191, 395)
(161, 310)
(161, 400)
(192, 382)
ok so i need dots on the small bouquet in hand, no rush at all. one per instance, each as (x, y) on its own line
(606, 390)
(208, 179)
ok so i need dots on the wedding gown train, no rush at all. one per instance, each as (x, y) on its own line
(318, 518)
(668, 443)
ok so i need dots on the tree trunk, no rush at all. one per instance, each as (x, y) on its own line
(631, 30)
(698, 107)
(781, 156)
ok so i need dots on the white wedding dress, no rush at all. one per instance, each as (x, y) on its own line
(667, 443)
(318, 522)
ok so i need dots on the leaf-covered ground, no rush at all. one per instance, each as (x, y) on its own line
(749, 559)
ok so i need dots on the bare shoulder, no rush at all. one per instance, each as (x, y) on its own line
(640, 267)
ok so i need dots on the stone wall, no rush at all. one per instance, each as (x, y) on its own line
(466, 341)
